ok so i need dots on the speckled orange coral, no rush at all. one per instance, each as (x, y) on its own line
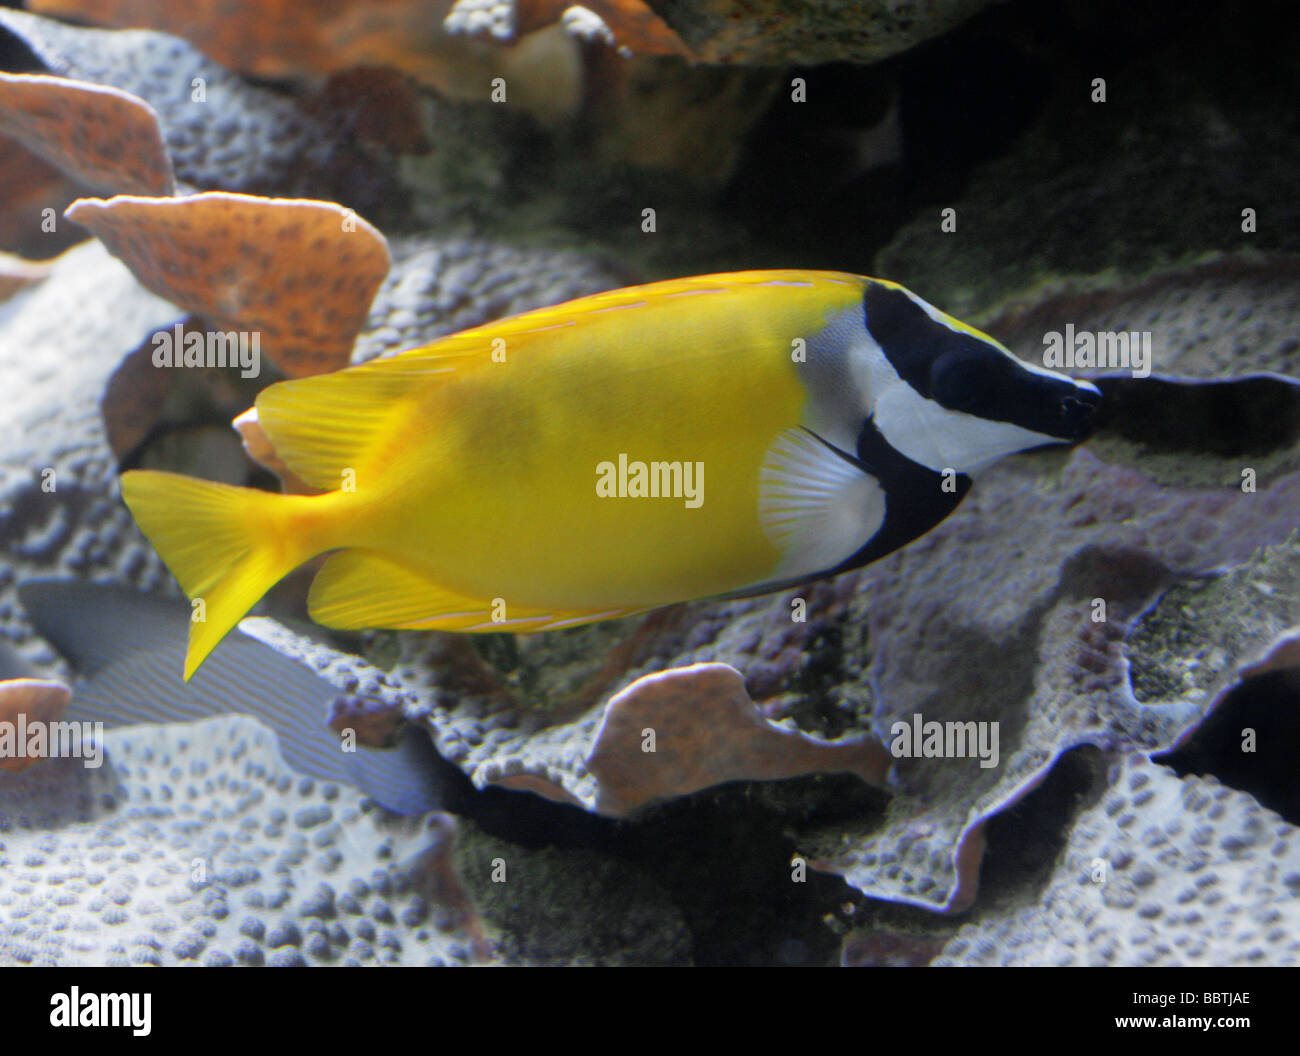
(305, 38)
(273, 38)
(103, 137)
(298, 274)
(24, 701)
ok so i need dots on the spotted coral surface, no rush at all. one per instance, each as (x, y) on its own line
(236, 260)
(58, 478)
(1163, 871)
(194, 844)
(106, 138)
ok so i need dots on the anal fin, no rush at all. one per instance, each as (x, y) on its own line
(359, 588)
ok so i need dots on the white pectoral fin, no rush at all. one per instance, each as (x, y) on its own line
(816, 506)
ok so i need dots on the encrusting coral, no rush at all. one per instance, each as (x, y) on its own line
(194, 844)
(237, 261)
(106, 138)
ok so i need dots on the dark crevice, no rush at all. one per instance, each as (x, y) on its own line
(1025, 840)
(723, 856)
(1250, 742)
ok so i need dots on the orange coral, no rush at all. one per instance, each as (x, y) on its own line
(299, 274)
(103, 137)
(23, 703)
(279, 38)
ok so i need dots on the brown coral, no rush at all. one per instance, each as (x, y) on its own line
(26, 703)
(692, 727)
(105, 138)
(299, 274)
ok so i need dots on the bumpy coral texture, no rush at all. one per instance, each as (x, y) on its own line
(1163, 871)
(238, 261)
(195, 845)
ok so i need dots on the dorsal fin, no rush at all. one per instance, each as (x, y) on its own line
(325, 424)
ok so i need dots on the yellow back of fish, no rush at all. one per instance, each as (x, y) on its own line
(484, 474)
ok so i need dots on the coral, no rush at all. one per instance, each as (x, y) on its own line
(238, 261)
(1162, 871)
(25, 702)
(105, 138)
(629, 25)
(665, 735)
(220, 132)
(280, 38)
(1204, 633)
(808, 31)
(1219, 316)
(59, 514)
(194, 844)
(706, 731)
(302, 39)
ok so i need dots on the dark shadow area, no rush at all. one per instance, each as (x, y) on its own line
(1235, 417)
(1025, 841)
(1250, 742)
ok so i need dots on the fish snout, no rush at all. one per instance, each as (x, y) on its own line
(1077, 410)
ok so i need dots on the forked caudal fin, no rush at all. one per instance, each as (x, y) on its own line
(226, 545)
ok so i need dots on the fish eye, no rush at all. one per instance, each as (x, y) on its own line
(960, 379)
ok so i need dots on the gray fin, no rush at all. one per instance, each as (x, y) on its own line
(12, 665)
(129, 649)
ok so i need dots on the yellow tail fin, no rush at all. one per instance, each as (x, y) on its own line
(226, 546)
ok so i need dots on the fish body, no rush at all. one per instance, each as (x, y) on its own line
(720, 435)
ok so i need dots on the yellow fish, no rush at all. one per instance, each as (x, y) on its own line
(719, 435)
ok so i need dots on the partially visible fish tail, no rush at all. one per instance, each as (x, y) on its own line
(226, 546)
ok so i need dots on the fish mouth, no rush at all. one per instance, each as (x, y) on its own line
(1077, 410)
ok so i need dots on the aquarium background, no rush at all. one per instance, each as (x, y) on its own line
(1126, 614)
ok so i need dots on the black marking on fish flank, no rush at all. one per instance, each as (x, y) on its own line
(916, 499)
